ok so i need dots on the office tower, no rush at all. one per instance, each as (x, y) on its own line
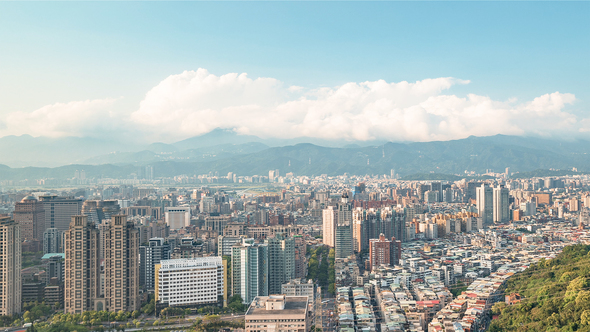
(399, 226)
(471, 192)
(216, 223)
(343, 237)
(55, 267)
(281, 262)
(10, 267)
(30, 215)
(82, 282)
(52, 241)
(98, 210)
(149, 172)
(501, 205)
(225, 243)
(157, 250)
(384, 252)
(177, 217)
(190, 282)
(359, 231)
(438, 188)
(262, 217)
(249, 270)
(59, 211)
(485, 203)
(431, 196)
(122, 266)
(329, 219)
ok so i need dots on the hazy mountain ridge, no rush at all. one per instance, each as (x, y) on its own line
(451, 157)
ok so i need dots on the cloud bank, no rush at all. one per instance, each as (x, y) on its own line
(195, 102)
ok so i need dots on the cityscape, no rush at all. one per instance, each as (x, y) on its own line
(343, 253)
(295, 166)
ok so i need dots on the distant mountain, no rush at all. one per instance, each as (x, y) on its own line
(161, 152)
(25, 150)
(451, 158)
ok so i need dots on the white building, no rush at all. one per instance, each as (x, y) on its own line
(298, 287)
(191, 281)
(177, 217)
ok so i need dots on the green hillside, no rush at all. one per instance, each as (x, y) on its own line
(556, 295)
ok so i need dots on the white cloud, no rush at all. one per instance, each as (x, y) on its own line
(196, 102)
(94, 118)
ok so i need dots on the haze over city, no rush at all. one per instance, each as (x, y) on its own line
(294, 166)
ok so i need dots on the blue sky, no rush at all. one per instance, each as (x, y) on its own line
(75, 51)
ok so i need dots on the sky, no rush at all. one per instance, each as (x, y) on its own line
(399, 71)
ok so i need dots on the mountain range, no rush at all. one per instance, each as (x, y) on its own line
(26, 157)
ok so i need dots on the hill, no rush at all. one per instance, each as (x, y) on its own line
(448, 160)
(556, 295)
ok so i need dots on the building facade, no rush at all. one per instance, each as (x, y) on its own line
(10, 268)
(249, 270)
(190, 282)
(122, 265)
(30, 215)
(59, 211)
(82, 267)
(156, 251)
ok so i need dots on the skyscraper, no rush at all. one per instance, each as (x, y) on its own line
(122, 265)
(30, 215)
(52, 241)
(329, 218)
(249, 270)
(82, 268)
(343, 243)
(281, 262)
(485, 203)
(384, 251)
(501, 202)
(59, 211)
(98, 210)
(10, 267)
(157, 250)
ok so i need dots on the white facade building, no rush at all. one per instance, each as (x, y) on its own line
(193, 281)
(177, 217)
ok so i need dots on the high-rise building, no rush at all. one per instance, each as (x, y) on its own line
(190, 282)
(360, 230)
(177, 217)
(437, 188)
(501, 205)
(157, 250)
(59, 211)
(485, 203)
(300, 258)
(82, 268)
(384, 252)
(329, 218)
(30, 215)
(10, 267)
(98, 210)
(249, 270)
(122, 265)
(343, 243)
(281, 262)
(52, 241)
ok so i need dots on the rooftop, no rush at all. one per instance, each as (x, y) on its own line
(278, 305)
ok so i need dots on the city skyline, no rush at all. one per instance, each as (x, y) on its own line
(337, 71)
